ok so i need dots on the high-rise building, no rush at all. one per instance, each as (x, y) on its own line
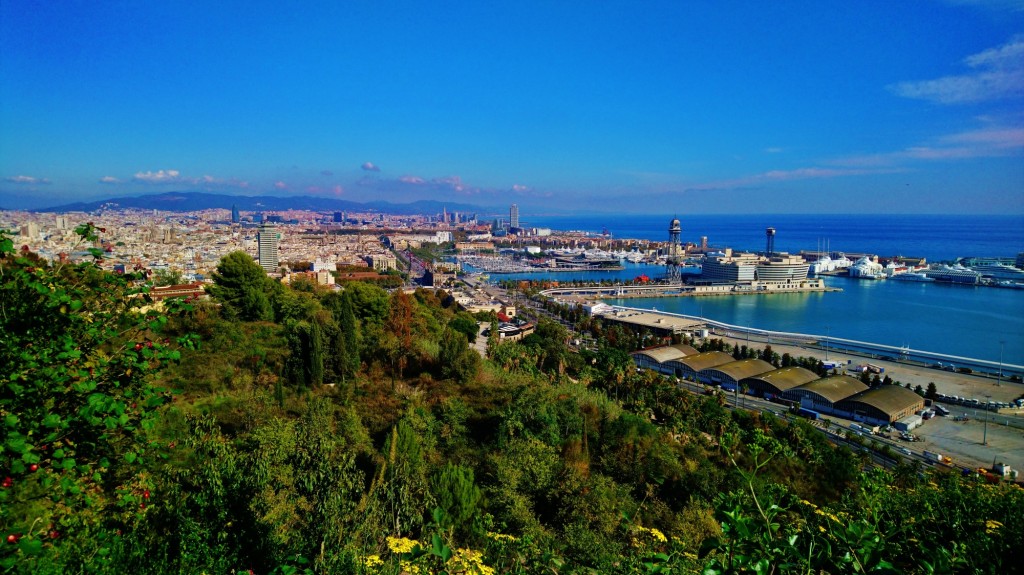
(235, 217)
(268, 239)
(513, 216)
(337, 217)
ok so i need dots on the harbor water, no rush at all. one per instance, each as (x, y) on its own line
(969, 321)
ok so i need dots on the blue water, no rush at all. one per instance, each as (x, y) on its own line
(957, 320)
(936, 237)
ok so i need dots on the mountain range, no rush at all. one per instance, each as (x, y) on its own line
(193, 201)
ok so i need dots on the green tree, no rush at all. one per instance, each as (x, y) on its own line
(78, 352)
(458, 496)
(240, 284)
(932, 391)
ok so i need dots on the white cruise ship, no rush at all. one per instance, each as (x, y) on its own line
(912, 277)
(867, 268)
(999, 272)
(953, 274)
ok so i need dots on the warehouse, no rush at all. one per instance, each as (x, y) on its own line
(777, 382)
(691, 367)
(730, 374)
(662, 359)
(822, 395)
(883, 405)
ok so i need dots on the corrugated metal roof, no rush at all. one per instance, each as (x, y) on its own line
(737, 370)
(835, 388)
(706, 360)
(889, 399)
(787, 377)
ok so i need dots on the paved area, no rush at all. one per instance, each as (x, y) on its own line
(949, 383)
(480, 345)
(963, 440)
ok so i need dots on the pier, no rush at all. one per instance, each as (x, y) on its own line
(827, 344)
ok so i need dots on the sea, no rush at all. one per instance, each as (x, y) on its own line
(969, 321)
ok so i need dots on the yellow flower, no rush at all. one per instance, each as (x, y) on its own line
(500, 537)
(991, 526)
(401, 544)
(820, 528)
(372, 561)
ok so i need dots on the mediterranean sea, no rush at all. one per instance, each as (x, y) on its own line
(969, 321)
(936, 237)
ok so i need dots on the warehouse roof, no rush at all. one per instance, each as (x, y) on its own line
(833, 389)
(787, 377)
(667, 353)
(706, 360)
(889, 399)
(737, 370)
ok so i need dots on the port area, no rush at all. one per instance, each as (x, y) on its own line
(977, 441)
(597, 292)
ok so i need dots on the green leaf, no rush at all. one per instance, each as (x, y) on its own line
(11, 420)
(58, 454)
(130, 457)
(31, 547)
(51, 420)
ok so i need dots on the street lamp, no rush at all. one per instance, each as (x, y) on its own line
(999, 378)
(826, 342)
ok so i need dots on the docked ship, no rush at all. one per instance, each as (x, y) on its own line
(867, 268)
(954, 274)
(999, 272)
(912, 277)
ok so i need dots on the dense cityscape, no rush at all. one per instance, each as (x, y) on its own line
(397, 288)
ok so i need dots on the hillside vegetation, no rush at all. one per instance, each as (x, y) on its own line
(286, 429)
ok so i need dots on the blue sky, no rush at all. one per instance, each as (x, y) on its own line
(690, 107)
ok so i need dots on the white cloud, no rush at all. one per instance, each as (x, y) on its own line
(412, 180)
(109, 180)
(998, 73)
(280, 185)
(158, 177)
(26, 180)
(370, 167)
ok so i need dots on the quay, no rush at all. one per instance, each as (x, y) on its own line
(671, 323)
(687, 290)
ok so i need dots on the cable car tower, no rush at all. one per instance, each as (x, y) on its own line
(674, 258)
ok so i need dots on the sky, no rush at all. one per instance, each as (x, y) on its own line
(791, 106)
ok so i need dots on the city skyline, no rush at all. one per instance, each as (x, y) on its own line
(699, 108)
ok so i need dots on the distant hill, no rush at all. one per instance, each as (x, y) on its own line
(191, 201)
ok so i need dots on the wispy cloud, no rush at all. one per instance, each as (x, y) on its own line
(370, 167)
(280, 185)
(158, 177)
(415, 180)
(773, 150)
(27, 180)
(993, 141)
(520, 188)
(109, 180)
(169, 177)
(997, 73)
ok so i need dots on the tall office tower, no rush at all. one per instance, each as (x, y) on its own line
(268, 240)
(337, 217)
(769, 247)
(444, 215)
(235, 217)
(62, 222)
(513, 216)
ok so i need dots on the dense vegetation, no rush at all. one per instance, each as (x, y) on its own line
(285, 429)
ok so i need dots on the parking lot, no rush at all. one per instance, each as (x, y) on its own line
(978, 442)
